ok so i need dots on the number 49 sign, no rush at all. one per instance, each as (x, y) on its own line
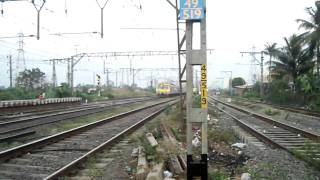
(191, 10)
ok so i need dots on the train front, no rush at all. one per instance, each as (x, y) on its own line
(163, 90)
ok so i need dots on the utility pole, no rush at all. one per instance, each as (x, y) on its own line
(230, 81)
(151, 81)
(180, 44)
(54, 75)
(121, 78)
(38, 8)
(10, 70)
(128, 74)
(71, 75)
(21, 62)
(68, 73)
(102, 9)
(107, 71)
(116, 79)
(253, 53)
(74, 62)
(195, 12)
(133, 77)
(261, 67)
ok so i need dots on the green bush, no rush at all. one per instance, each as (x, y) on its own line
(84, 96)
(17, 93)
(251, 95)
(280, 93)
(314, 103)
(5, 95)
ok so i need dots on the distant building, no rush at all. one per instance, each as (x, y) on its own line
(241, 90)
(92, 90)
(2, 88)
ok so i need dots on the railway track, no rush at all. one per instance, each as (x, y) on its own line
(299, 142)
(39, 110)
(55, 156)
(23, 126)
(287, 108)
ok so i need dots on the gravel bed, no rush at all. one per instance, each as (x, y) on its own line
(272, 163)
(121, 164)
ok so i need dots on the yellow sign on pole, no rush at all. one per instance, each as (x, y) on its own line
(204, 89)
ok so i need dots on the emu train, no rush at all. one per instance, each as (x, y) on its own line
(166, 89)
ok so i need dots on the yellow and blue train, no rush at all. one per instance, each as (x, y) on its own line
(166, 90)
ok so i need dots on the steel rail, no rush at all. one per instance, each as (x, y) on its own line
(275, 139)
(73, 165)
(10, 132)
(59, 108)
(25, 148)
(251, 130)
(68, 111)
(305, 133)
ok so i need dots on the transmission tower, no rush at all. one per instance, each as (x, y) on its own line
(254, 59)
(21, 62)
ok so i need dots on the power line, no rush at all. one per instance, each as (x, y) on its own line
(133, 53)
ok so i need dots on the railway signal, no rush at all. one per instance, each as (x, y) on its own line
(98, 79)
(98, 82)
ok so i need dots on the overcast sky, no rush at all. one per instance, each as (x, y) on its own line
(232, 26)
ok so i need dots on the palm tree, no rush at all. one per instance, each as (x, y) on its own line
(271, 50)
(294, 59)
(313, 30)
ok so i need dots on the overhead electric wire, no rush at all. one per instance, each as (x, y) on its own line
(151, 28)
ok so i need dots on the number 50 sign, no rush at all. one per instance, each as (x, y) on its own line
(191, 10)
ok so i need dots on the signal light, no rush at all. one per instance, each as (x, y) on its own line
(98, 79)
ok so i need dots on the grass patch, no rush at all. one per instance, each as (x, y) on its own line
(94, 172)
(268, 171)
(8, 145)
(312, 150)
(221, 136)
(177, 134)
(151, 152)
(271, 112)
(154, 129)
(218, 175)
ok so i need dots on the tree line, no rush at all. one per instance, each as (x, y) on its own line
(294, 67)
